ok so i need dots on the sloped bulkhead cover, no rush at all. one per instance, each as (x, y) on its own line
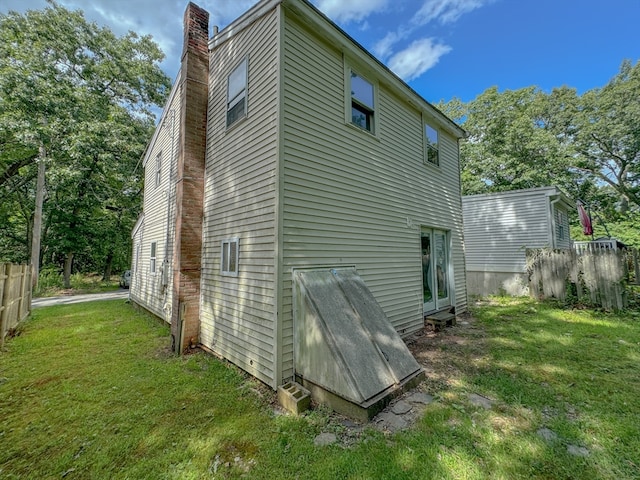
(344, 342)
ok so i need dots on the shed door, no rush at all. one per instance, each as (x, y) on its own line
(435, 269)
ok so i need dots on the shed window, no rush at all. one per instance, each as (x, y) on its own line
(237, 93)
(229, 257)
(432, 154)
(562, 223)
(152, 258)
(158, 173)
(362, 102)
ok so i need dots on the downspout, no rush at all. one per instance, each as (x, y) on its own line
(165, 266)
(170, 200)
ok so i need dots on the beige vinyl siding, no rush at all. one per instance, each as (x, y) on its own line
(159, 213)
(354, 199)
(238, 313)
(499, 227)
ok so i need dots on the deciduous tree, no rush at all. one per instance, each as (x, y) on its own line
(86, 96)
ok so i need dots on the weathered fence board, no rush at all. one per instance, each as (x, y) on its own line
(15, 297)
(596, 276)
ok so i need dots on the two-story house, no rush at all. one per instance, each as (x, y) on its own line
(295, 189)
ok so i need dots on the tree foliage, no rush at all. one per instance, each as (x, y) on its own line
(86, 96)
(589, 144)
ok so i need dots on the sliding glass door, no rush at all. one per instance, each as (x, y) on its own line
(435, 269)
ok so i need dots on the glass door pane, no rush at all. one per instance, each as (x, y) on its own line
(427, 272)
(441, 259)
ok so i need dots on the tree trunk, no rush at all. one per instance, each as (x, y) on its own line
(68, 262)
(107, 268)
(37, 220)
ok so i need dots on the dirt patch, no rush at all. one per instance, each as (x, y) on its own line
(446, 354)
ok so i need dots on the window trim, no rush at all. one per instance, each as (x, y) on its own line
(428, 147)
(242, 95)
(153, 258)
(158, 170)
(350, 102)
(561, 231)
(226, 256)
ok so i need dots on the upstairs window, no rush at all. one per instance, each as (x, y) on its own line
(362, 102)
(229, 257)
(158, 173)
(432, 154)
(237, 93)
(152, 258)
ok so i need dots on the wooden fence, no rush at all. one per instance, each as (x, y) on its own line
(15, 297)
(597, 277)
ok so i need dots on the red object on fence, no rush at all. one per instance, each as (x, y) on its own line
(585, 220)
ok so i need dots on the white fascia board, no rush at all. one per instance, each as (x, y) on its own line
(138, 225)
(544, 191)
(165, 111)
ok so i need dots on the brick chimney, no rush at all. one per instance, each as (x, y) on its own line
(189, 188)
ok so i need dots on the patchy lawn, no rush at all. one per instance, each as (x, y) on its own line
(522, 389)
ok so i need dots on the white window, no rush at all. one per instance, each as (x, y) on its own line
(237, 93)
(229, 257)
(158, 169)
(362, 102)
(562, 224)
(136, 258)
(432, 154)
(152, 258)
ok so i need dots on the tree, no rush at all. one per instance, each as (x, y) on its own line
(85, 96)
(606, 136)
(511, 144)
(589, 144)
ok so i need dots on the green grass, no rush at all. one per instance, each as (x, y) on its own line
(91, 391)
(50, 284)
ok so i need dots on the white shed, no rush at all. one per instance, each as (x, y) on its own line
(499, 227)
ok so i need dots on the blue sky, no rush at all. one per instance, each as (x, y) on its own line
(442, 48)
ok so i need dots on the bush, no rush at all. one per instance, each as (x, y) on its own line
(50, 279)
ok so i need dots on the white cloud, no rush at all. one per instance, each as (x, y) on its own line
(445, 11)
(384, 47)
(417, 58)
(345, 11)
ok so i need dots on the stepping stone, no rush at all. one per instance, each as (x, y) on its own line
(401, 407)
(325, 439)
(391, 421)
(480, 401)
(547, 435)
(577, 451)
(345, 422)
(423, 398)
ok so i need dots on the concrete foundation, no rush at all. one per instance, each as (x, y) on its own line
(497, 283)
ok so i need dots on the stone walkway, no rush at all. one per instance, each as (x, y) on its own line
(403, 412)
(431, 350)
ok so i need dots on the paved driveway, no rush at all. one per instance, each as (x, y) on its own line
(68, 299)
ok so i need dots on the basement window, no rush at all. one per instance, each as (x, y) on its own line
(237, 93)
(432, 153)
(229, 257)
(152, 258)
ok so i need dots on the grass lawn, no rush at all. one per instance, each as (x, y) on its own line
(91, 391)
(50, 284)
